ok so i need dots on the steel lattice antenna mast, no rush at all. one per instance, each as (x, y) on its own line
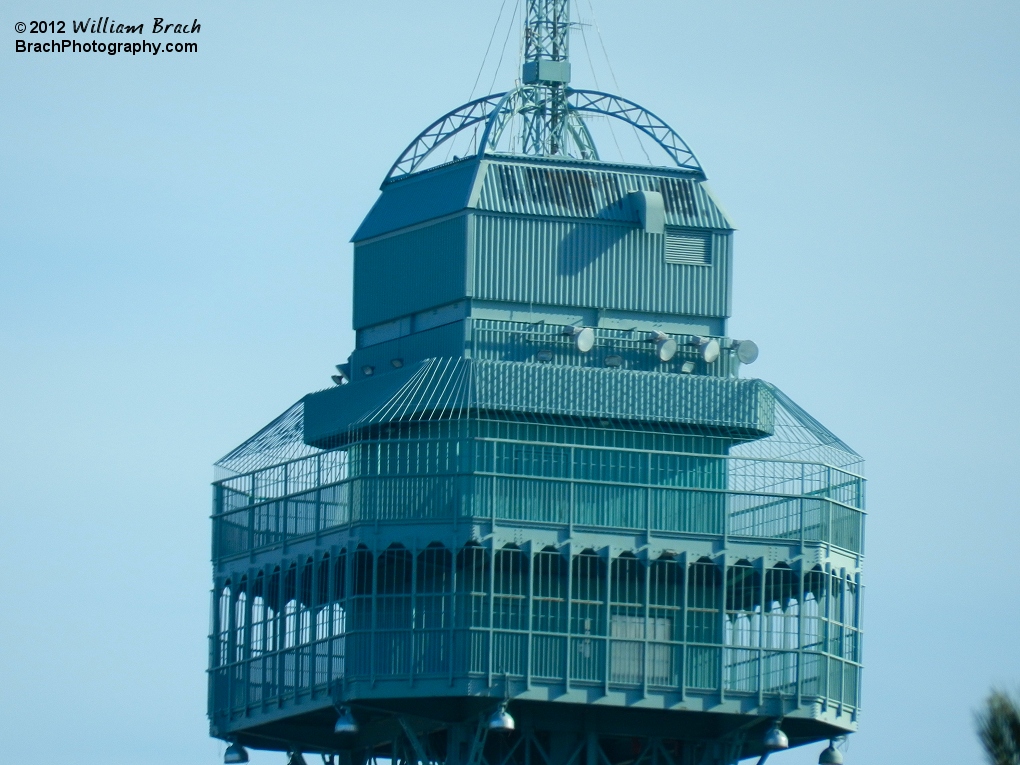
(547, 69)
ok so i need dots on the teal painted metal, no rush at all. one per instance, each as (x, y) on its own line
(544, 483)
(420, 268)
(528, 189)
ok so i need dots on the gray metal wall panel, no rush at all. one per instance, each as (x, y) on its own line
(418, 199)
(409, 272)
(447, 340)
(564, 192)
(596, 265)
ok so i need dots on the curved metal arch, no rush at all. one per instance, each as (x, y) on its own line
(444, 128)
(596, 102)
(522, 100)
(498, 109)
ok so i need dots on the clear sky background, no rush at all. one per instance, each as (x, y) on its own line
(175, 271)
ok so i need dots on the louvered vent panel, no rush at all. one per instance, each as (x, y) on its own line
(688, 248)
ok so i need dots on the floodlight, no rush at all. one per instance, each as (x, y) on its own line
(830, 755)
(613, 361)
(368, 370)
(343, 374)
(710, 351)
(544, 355)
(665, 349)
(687, 367)
(775, 739)
(584, 338)
(235, 754)
(397, 363)
(501, 721)
(345, 723)
(747, 351)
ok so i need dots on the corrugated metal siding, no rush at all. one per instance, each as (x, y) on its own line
(619, 394)
(573, 193)
(593, 265)
(409, 272)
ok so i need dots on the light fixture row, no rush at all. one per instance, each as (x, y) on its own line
(666, 347)
(774, 740)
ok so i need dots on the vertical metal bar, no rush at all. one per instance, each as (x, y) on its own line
(331, 597)
(826, 627)
(685, 583)
(373, 584)
(761, 633)
(318, 496)
(723, 649)
(859, 653)
(450, 602)
(800, 633)
(286, 507)
(607, 599)
(492, 605)
(842, 637)
(529, 613)
(245, 648)
(572, 497)
(228, 654)
(569, 608)
(646, 605)
(252, 510)
(413, 633)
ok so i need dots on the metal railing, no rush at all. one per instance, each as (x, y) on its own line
(537, 484)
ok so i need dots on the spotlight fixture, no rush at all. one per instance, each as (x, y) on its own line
(614, 361)
(687, 367)
(665, 346)
(584, 338)
(368, 370)
(345, 723)
(830, 755)
(747, 351)
(544, 355)
(397, 363)
(343, 374)
(710, 350)
(708, 347)
(501, 721)
(775, 740)
(235, 754)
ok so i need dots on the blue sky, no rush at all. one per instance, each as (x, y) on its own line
(175, 271)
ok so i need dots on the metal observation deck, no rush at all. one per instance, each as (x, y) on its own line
(540, 484)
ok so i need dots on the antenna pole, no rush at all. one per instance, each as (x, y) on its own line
(547, 68)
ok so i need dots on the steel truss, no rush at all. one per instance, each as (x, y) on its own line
(496, 111)
(420, 742)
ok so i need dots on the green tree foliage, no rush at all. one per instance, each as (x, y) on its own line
(998, 724)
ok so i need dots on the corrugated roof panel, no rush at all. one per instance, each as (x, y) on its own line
(445, 387)
(581, 193)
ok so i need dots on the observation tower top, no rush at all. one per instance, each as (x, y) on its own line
(542, 116)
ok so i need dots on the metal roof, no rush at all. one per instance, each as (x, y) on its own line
(539, 188)
(445, 387)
